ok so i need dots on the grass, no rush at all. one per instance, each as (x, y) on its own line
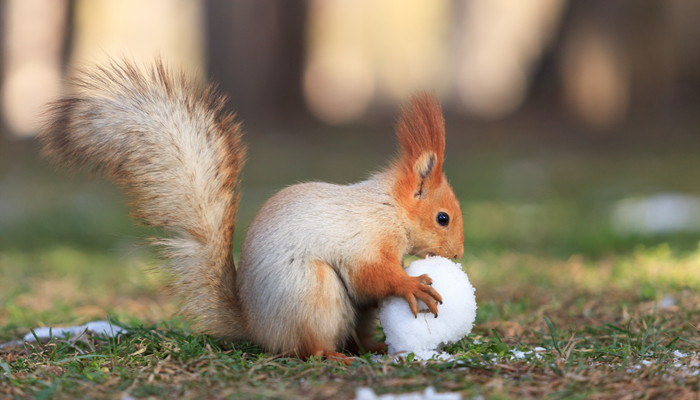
(575, 345)
(568, 306)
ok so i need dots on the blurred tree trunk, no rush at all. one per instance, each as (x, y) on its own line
(256, 53)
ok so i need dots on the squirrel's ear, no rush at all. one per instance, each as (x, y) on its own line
(421, 134)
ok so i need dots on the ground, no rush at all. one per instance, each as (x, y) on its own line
(571, 303)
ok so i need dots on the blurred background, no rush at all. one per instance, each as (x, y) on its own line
(592, 64)
(573, 126)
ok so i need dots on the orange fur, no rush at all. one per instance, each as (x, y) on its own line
(321, 272)
(421, 135)
(385, 277)
(379, 278)
(310, 344)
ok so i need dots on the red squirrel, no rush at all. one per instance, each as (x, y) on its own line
(317, 257)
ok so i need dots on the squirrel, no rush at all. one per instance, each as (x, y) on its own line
(316, 259)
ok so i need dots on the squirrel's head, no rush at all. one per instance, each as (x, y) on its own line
(434, 215)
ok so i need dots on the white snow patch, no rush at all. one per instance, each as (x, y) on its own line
(104, 328)
(679, 354)
(660, 213)
(666, 302)
(366, 393)
(518, 354)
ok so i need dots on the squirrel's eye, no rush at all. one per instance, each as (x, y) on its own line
(442, 218)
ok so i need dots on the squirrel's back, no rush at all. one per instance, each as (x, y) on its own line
(168, 141)
(305, 244)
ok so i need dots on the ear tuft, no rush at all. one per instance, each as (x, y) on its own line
(421, 134)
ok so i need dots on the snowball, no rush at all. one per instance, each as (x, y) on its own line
(425, 334)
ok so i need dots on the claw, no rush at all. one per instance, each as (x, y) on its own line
(417, 288)
(425, 279)
(412, 304)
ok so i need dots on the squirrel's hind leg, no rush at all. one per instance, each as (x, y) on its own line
(362, 341)
(326, 319)
(332, 355)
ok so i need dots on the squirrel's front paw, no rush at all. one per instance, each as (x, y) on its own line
(418, 288)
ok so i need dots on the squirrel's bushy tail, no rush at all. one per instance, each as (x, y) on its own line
(168, 141)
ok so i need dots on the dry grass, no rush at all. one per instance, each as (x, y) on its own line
(574, 337)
